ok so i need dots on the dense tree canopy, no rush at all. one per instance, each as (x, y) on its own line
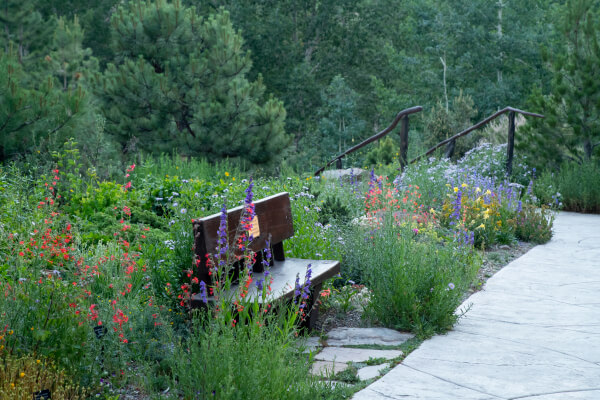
(571, 129)
(260, 80)
(179, 81)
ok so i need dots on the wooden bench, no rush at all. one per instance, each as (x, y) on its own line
(273, 223)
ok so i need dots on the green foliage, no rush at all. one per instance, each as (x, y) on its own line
(70, 62)
(572, 124)
(416, 282)
(247, 362)
(20, 377)
(384, 153)
(339, 124)
(34, 116)
(28, 30)
(534, 225)
(575, 187)
(444, 123)
(179, 82)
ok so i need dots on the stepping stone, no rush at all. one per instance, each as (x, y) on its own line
(345, 355)
(345, 174)
(311, 344)
(370, 372)
(326, 368)
(356, 336)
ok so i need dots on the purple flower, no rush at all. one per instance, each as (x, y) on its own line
(222, 240)
(249, 194)
(259, 284)
(266, 262)
(303, 290)
(451, 286)
(203, 292)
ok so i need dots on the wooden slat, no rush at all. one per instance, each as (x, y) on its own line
(284, 277)
(274, 215)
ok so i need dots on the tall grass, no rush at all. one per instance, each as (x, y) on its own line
(416, 280)
(575, 187)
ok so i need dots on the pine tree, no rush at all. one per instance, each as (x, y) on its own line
(33, 117)
(179, 81)
(339, 124)
(571, 129)
(69, 61)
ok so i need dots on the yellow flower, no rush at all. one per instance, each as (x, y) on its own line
(22, 374)
(455, 189)
(11, 332)
(12, 385)
(37, 361)
(477, 190)
(233, 178)
(464, 185)
(499, 223)
(488, 192)
(226, 173)
(482, 226)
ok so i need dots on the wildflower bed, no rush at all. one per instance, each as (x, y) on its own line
(95, 275)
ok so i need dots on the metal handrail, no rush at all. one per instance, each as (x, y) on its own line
(479, 125)
(399, 116)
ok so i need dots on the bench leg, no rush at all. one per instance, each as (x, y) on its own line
(278, 252)
(313, 307)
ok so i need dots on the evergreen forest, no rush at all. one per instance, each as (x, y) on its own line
(278, 83)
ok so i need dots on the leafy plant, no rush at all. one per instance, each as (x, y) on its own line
(21, 377)
(534, 225)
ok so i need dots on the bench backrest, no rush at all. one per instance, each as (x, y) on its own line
(274, 217)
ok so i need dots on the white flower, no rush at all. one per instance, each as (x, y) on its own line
(183, 211)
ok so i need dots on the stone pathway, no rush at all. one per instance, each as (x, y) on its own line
(335, 357)
(533, 333)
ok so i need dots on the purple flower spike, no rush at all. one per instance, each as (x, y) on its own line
(222, 242)
(259, 284)
(203, 292)
(249, 194)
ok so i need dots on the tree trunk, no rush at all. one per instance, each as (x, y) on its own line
(588, 149)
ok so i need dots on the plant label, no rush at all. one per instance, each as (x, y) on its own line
(100, 331)
(255, 231)
(42, 395)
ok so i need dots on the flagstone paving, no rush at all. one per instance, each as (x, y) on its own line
(334, 357)
(533, 333)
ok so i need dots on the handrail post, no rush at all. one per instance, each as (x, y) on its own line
(338, 163)
(404, 142)
(511, 142)
(450, 149)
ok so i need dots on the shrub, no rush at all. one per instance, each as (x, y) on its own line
(534, 225)
(416, 280)
(21, 377)
(579, 185)
(245, 361)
